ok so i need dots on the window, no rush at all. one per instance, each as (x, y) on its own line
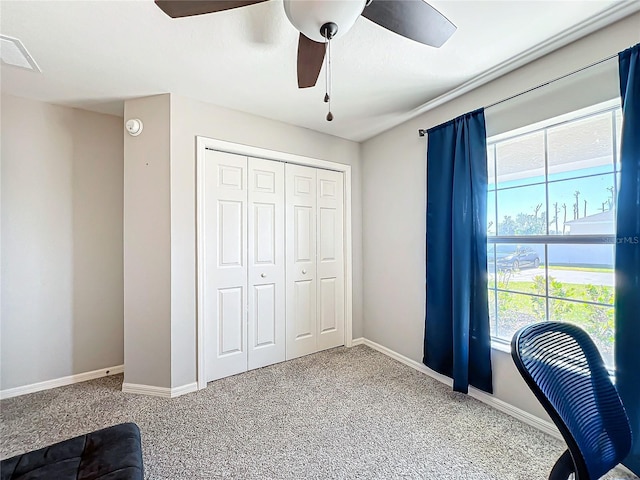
(551, 224)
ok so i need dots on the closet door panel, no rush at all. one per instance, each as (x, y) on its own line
(330, 268)
(225, 264)
(327, 296)
(301, 227)
(264, 315)
(230, 316)
(303, 313)
(266, 252)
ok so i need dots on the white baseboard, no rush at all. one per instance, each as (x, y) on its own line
(60, 382)
(526, 417)
(357, 341)
(536, 422)
(184, 389)
(164, 392)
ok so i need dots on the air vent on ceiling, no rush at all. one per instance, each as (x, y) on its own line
(13, 53)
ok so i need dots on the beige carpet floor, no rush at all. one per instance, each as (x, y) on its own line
(343, 413)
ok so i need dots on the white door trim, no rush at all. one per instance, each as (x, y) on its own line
(203, 144)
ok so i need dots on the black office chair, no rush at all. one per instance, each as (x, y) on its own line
(565, 371)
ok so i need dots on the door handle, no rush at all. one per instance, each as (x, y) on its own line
(304, 272)
(263, 275)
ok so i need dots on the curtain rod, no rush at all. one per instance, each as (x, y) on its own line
(422, 132)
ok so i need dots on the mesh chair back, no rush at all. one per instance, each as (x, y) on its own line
(565, 371)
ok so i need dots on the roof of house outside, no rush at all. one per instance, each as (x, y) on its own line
(602, 217)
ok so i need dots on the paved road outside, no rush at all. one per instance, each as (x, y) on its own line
(566, 276)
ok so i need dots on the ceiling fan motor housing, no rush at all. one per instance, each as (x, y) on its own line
(329, 30)
(310, 16)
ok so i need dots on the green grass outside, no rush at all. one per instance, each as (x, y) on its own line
(577, 269)
(574, 291)
(517, 310)
(525, 302)
(581, 269)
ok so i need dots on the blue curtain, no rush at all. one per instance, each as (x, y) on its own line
(628, 250)
(457, 340)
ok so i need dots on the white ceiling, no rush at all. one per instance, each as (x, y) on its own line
(95, 54)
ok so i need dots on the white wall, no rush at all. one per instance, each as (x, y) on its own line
(61, 217)
(147, 244)
(394, 199)
(160, 229)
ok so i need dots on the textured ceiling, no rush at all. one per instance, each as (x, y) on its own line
(95, 54)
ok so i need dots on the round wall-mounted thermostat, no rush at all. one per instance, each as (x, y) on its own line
(134, 127)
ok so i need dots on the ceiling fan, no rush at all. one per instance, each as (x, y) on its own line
(320, 21)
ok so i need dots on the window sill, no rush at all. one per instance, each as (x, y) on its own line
(500, 346)
(504, 347)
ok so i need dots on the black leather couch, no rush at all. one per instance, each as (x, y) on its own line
(113, 453)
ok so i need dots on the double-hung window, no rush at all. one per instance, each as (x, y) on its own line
(551, 224)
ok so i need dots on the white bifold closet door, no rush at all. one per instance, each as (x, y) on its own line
(243, 248)
(266, 276)
(315, 259)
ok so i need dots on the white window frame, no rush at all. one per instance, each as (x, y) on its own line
(612, 106)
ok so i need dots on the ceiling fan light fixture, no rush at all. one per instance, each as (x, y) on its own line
(309, 16)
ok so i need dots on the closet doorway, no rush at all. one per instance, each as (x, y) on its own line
(274, 257)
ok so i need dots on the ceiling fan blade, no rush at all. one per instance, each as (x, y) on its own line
(414, 19)
(187, 8)
(310, 58)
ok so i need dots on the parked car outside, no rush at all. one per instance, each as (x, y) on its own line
(512, 257)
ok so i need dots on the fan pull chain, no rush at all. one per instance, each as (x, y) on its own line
(327, 95)
(326, 71)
